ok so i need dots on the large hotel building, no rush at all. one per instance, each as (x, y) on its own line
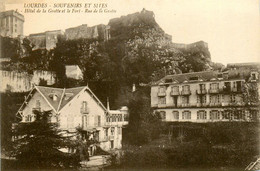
(230, 95)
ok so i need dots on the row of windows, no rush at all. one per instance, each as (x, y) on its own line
(115, 118)
(213, 86)
(202, 99)
(214, 114)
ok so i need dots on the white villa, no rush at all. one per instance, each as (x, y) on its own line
(77, 107)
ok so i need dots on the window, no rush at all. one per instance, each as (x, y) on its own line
(112, 130)
(175, 115)
(214, 114)
(162, 90)
(214, 98)
(106, 132)
(120, 117)
(186, 88)
(253, 75)
(186, 115)
(175, 89)
(84, 107)
(232, 98)
(163, 115)
(185, 99)
(85, 121)
(214, 86)
(162, 100)
(227, 86)
(202, 87)
(201, 114)
(99, 120)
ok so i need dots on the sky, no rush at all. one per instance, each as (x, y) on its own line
(230, 27)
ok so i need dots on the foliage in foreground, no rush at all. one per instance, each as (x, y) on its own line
(207, 145)
(38, 143)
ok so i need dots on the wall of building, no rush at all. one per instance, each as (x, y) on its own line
(29, 107)
(46, 40)
(85, 32)
(11, 24)
(170, 116)
(193, 97)
(23, 81)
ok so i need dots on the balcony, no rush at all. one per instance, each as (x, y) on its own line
(175, 93)
(214, 104)
(225, 104)
(201, 105)
(186, 92)
(84, 111)
(161, 94)
(185, 105)
(214, 91)
(202, 91)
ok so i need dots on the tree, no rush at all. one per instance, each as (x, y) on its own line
(144, 126)
(38, 145)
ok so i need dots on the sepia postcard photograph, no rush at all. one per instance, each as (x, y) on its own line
(130, 85)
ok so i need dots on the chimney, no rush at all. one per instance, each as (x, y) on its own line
(133, 88)
(108, 107)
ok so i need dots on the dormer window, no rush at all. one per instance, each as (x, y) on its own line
(225, 75)
(168, 80)
(53, 96)
(220, 75)
(254, 75)
(194, 78)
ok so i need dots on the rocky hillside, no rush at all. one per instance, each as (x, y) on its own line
(138, 51)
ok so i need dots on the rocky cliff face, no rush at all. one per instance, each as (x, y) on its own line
(143, 37)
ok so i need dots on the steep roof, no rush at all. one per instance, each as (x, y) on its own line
(48, 93)
(63, 96)
(69, 94)
(180, 78)
(242, 73)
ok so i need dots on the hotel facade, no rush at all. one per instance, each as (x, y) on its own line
(208, 96)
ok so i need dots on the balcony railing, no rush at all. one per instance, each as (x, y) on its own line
(175, 93)
(161, 94)
(214, 104)
(185, 92)
(202, 91)
(201, 104)
(185, 105)
(84, 111)
(214, 91)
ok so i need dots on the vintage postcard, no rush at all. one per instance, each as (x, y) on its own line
(130, 85)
